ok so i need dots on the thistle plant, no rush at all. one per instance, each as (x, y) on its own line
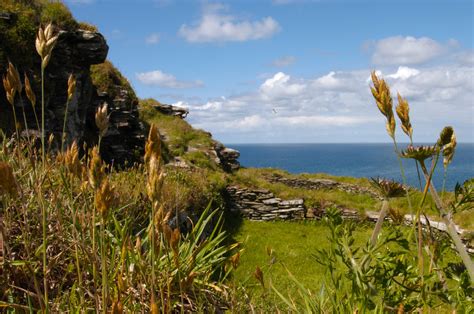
(45, 42)
(387, 189)
(445, 145)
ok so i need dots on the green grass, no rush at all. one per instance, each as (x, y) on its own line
(182, 139)
(256, 178)
(293, 244)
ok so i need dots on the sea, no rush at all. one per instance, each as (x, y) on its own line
(354, 160)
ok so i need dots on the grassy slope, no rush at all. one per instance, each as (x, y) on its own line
(255, 177)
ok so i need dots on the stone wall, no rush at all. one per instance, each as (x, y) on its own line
(316, 184)
(261, 204)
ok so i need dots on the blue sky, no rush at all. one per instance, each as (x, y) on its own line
(295, 70)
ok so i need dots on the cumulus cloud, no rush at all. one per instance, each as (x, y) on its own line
(161, 79)
(153, 39)
(399, 50)
(216, 26)
(284, 61)
(338, 106)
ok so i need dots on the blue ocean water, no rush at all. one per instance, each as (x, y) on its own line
(355, 160)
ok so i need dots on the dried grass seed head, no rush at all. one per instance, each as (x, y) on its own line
(447, 142)
(102, 119)
(8, 183)
(71, 87)
(72, 162)
(14, 77)
(153, 143)
(403, 112)
(155, 179)
(105, 198)
(384, 102)
(45, 42)
(29, 91)
(96, 169)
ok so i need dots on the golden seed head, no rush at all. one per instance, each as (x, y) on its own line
(72, 162)
(10, 90)
(45, 42)
(102, 119)
(29, 91)
(8, 184)
(105, 198)
(96, 169)
(14, 77)
(419, 153)
(155, 179)
(447, 141)
(71, 87)
(153, 143)
(388, 188)
(174, 241)
(259, 276)
(403, 110)
(235, 259)
(383, 99)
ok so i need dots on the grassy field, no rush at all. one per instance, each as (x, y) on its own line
(277, 246)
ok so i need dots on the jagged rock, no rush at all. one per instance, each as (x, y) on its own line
(172, 110)
(74, 53)
(228, 157)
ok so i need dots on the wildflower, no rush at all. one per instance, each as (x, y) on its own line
(8, 184)
(383, 99)
(102, 119)
(388, 188)
(419, 153)
(71, 87)
(403, 110)
(29, 91)
(45, 42)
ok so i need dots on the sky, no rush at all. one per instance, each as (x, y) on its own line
(296, 71)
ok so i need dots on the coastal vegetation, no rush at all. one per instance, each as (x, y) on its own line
(77, 234)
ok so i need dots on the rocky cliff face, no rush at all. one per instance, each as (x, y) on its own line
(74, 53)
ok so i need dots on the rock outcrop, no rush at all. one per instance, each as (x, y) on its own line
(74, 54)
(228, 157)
(171, 110)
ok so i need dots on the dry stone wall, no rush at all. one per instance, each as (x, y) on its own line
(261, 204)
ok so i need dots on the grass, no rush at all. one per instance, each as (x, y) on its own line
(292, 244)
(181, 138)
(256, 177)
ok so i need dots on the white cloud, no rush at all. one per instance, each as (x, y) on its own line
(153, 39)
(284, 61)
(404, 73)
(280, 86)
(400, 50)
(215, 26)
(338, 106)
(161, 79)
